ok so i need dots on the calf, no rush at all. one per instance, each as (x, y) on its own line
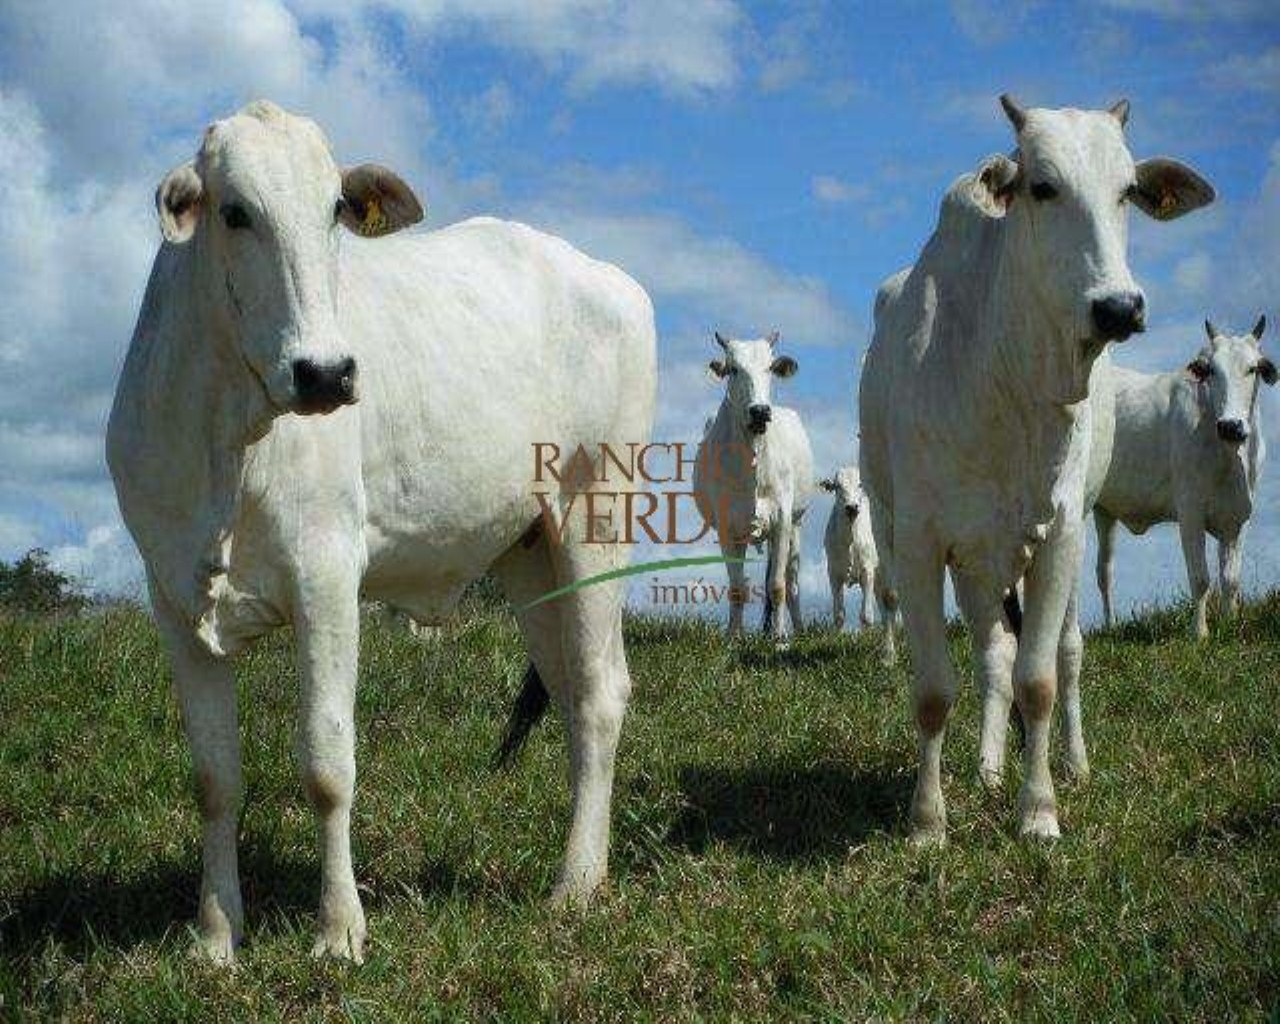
(753, 478)
(1187, 449)
(850, 547)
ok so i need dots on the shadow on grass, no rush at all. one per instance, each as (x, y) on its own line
(1241, 826)
(86, 909)
(781, 812)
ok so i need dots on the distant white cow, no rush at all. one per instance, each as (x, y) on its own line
(850, 547)
(975, 429)
(754, 477)
(298, 425)
(1188, 449)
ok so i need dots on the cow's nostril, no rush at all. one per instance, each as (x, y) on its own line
(1233, 430)
(322, 388)
(1117, 316)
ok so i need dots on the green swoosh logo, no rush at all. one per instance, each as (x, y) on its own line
(634, 570)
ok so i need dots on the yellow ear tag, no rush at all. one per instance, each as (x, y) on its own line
(1168, 202)
(375, 221)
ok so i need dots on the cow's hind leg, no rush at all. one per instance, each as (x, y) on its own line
(1105, 527)
(327, 634)
(994, 649)
(206, 691)
(597, 685)
(1070, 654)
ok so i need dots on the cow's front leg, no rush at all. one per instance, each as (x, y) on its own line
(779, 556)
(1229, 550)
(328, 631)
(206, 691)
(793, 580)
(866, 615)
(837, 600)
(994, 650)
(1050, 582)
(735, 554)
(934, 685)
(1191, 532)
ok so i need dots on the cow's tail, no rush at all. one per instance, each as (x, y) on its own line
(1013, 612)
(529, 707)
(769, 610)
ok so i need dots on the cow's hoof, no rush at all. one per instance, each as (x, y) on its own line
(218, 948)
(342, 932)
(572, 895)
(931, 836)
(991, 779)
(1042, 825)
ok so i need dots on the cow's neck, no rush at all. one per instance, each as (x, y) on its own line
(202, 408)
(1006, 419)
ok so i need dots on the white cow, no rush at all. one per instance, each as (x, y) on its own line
(1188, 450)
(754, 476)
(299, 425)
(975, 426)
(850, 547)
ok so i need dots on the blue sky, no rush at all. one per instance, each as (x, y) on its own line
(754, 165)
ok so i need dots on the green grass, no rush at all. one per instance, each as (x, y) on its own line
(759, 865)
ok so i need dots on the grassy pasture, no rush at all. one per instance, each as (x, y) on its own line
(759, 864)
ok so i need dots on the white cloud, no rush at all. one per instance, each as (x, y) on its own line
(1248, 72)
(491, 110)
(715, 280)
(1196, 10)
(827, 188)
(679, 46)
(987, 22)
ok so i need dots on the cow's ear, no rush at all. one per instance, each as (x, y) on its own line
(828, 484)
(997, 181)
(179, 198)
(1267, 370)
(376, 202)
(718, 367)
(1166, 189)
(1198, 369)
(784, 366)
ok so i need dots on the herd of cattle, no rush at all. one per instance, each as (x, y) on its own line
(298, 428)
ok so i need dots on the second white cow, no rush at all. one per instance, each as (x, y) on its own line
(1187, 449)
(754, 476)
(975, 423)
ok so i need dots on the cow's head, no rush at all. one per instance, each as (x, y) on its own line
(749, 367)
(846, 485)
(261, 203)
(1065, 194)
(1227, 373)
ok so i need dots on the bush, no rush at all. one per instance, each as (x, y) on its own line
(32, 586)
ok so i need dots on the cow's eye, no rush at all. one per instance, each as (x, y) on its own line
(338, 207)
(235, 217)
(1042, 190)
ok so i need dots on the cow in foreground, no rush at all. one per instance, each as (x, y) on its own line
(850, 548)
(753, 478)
(976, 422)
(299, 425)
(1188, 449)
